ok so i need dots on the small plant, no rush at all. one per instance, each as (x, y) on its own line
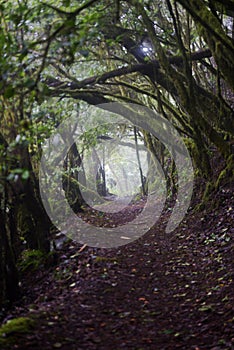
(31, 260)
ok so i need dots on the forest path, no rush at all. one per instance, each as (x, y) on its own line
(155, 293)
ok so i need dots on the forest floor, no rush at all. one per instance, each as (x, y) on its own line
(158, 293)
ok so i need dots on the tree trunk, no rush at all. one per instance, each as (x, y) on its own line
(71, 165)
(143, 182)
(9, 288)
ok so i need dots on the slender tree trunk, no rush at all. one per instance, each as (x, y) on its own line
(9, 288)
(139, 163)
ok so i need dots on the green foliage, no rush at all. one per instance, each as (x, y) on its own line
(89, 138)
(15, 173)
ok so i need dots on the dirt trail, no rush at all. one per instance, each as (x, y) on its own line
(156, 293)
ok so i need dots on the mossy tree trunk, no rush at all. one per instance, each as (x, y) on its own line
(23, 216)
(74, 175)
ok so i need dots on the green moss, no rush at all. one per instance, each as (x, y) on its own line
(104, 259)
(205, 198)
(31, 260)
(222, 176)
(208, 190)
(136, 198)
(227, 174)
(9, 330)
(194, 151)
